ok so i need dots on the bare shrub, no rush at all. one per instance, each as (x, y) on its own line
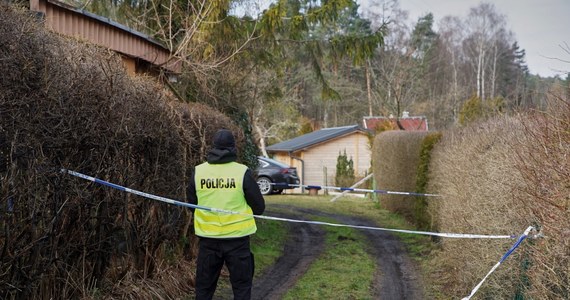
(66, 104)
(543, 159)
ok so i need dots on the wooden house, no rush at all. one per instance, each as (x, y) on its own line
(315, 154)
(139, 52)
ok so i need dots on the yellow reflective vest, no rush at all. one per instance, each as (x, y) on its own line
(221, 186)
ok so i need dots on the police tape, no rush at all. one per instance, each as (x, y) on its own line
(342, 189)
(179, 203)
(511, 250)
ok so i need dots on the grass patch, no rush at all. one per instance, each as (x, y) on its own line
(344, 271)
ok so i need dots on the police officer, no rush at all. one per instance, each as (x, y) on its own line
(223, 183)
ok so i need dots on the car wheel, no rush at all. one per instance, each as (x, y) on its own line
(264, 184)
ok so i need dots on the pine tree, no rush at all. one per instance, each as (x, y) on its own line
(344, 170)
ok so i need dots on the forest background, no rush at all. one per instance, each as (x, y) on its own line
(303, 65)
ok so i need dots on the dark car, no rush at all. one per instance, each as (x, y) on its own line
(271, 171)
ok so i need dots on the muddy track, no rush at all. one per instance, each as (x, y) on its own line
(396, 276)
(304, 244)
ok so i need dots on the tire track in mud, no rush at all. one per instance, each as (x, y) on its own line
(304, 244)
(396, 277)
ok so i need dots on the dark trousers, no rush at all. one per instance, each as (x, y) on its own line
(237, 256)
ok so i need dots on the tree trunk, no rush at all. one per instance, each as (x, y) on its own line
(368, 88)
(261, 140)
(325, 115)
(483, 80)
(455, 94)
(479, 65)
(494, 72)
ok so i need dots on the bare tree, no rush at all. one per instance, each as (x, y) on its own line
(390, 68)
(451, 36)
(484, 26)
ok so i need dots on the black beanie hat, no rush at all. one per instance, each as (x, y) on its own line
(224, 139)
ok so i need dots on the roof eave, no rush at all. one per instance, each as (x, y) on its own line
(306, 146)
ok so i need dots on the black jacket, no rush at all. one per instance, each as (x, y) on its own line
(250, 188)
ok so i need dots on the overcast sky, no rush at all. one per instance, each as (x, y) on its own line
(540, 26)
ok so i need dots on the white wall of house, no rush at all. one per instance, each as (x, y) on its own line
(323, 156)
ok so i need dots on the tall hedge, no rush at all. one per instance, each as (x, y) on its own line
(396, 156)
(67, 104)
(499, 177)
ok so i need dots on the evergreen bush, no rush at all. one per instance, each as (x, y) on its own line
(422, 218)
(476, 109)
(344, 170)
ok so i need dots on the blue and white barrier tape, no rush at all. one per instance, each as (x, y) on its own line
(179, 203)
(342, 189)
(142, 194)
(513, 248)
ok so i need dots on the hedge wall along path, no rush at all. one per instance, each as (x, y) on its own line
(66, 104)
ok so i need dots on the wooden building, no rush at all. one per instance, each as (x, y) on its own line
(315, 154)
(139, 52)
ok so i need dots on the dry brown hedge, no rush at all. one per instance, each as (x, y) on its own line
(67, 104)
(473, 170)
(495, 178)
(544, 163)
(499, 177)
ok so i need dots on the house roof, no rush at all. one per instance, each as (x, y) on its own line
(313, 138)
(107, 21)
(418, 123)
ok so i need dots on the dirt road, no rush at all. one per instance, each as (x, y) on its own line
(396, 276)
